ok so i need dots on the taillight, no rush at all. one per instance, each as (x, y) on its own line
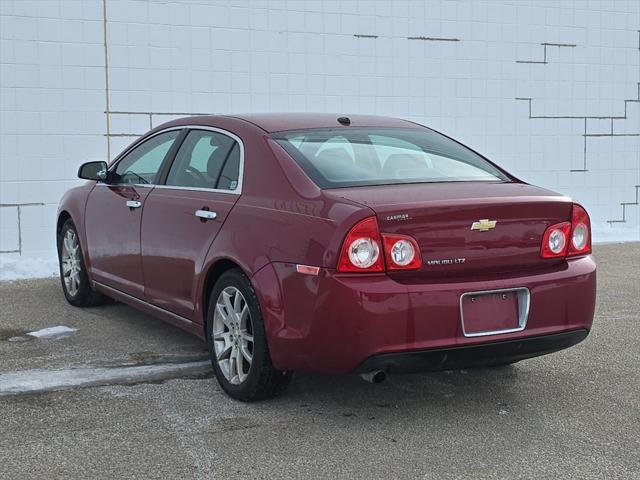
(555, 240)
(362, 250)
(401, 252)
(568, 238)
(580, 232)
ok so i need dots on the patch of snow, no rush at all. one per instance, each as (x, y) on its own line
(32, 381)
(18, 339)
(15, 267)
(51, 332)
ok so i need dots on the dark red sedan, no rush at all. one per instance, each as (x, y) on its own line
(314, 242)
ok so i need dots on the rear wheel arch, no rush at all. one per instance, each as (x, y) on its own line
(213, 274)
(226, 340)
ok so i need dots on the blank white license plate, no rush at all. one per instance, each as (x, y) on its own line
(494, 311)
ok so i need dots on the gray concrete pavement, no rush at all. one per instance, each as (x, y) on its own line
(574, 414)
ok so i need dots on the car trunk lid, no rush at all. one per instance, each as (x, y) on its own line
(453, 223)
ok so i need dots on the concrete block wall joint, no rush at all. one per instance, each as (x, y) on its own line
(106, 77)
(150, 115)
(426, 39)
(18, 207)
(586, 135)
(544, 60)
(625, 205)
(434, 39)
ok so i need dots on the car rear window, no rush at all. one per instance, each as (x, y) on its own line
(353, 156)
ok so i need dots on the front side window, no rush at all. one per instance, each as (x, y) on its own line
(206, 159)
(380, 156)
(141, 165)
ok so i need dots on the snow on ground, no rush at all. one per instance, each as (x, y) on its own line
(18, 268)
(51, 332)
(32, 381)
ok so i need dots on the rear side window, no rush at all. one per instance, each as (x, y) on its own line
(206, 159)
(380, 156)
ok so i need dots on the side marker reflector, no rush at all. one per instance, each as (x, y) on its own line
(307, 269)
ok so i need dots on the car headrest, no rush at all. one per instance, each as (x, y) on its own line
(215, 162)
(332, 161)
(402, 162)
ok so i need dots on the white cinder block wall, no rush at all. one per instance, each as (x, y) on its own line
(548, 89)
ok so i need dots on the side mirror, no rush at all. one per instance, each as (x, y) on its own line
(93, 171)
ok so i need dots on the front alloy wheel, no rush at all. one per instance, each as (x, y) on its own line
(71, 263)
(75, 281)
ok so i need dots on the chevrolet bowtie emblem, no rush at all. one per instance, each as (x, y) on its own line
(484, 225)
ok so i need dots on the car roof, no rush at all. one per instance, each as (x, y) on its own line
(278, 122)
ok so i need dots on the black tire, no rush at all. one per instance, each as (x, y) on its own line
(263, 379)
(84, 296)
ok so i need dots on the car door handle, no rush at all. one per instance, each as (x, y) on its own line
(133, 204)
(206, 214)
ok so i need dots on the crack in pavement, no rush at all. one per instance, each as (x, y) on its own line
(39, 381)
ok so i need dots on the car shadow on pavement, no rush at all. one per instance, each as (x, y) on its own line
(498, 391)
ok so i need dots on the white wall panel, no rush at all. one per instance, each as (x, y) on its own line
(565, 60)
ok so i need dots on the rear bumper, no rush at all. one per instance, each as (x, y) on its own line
(333, 323)
(471, 355)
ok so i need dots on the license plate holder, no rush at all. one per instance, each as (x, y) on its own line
(493, 312)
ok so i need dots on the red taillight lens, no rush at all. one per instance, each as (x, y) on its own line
(555, 240)
(580, 243)
(568, 238)
(401, 252)
(362, 248)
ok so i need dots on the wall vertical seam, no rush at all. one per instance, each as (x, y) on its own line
(106, 78)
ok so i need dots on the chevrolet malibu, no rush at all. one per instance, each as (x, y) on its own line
(316, 242)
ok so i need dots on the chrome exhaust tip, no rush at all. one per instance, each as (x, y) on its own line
(376, 376)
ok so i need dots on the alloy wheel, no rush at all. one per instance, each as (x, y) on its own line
(233, 335)
(71, 263)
